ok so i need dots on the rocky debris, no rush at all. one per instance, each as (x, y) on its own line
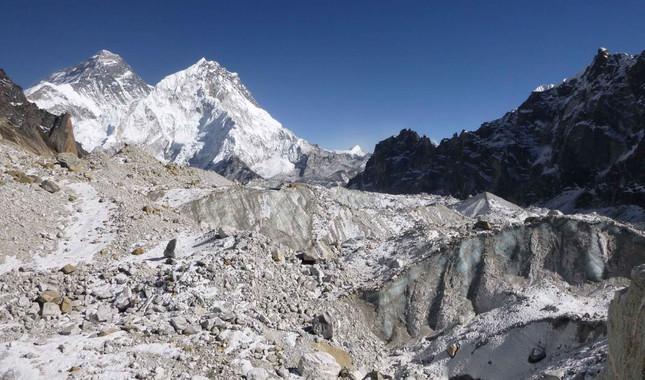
(537, 153)
(318, 366)
(626, 330)
(323, 325)
(238, 312)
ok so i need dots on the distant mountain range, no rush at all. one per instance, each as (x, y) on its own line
(202, 116)
(578, 144)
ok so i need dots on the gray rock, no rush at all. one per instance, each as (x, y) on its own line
(103, 313)
(124, 299)
(318, 366)
(179, 324)
(169, 252)
(537, 354)
(70, 329)
(50, 309)
(50, 186)
(70, 161)
(323, 325)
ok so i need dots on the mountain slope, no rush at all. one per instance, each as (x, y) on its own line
(96, 93)
(24, 124)
(582, 137)
(202, 116)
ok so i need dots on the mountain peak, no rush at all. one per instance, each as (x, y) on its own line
(107, 57)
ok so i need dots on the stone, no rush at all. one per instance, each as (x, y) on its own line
(50, 309)
(318, 366)
(68, 268)
(452, 349)
(376, 375)
(483, 225)
(307, 258)
(50, 296)
(323, 325)
(70, 329)
(50, 186)
(66, 305)
(277, 255)
(20, 177)
(537, 354)
(169, 252)
(189, 330)
(179, 324)
(138, 251)
(70, 161)
(124, 299)
(24, 302)
(257, 374)
(341, 356)
(108, 331)
(103, 313)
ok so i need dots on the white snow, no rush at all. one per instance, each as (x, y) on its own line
(86, 235)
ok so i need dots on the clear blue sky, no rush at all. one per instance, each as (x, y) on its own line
(337, 72)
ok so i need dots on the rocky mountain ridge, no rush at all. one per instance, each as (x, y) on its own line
(202, 116)
(575, 145)
(24, 124)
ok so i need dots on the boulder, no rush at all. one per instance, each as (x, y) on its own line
(169, 252)
(323, 325)
(50, 186)
(68, 268)
(50, 296)
(70, 161)
(318, 366)
(50, 309)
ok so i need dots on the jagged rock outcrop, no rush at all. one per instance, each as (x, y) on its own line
(626, 325)
(579, 144)
(24, 124)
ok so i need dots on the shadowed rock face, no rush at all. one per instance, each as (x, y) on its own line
(481, 273)
(24, 124)
(585, 133)
(626, 324)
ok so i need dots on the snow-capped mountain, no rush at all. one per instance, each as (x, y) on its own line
(97, 93)
(579, 144)
(203, 116)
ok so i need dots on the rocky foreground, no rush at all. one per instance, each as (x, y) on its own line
(117, 266)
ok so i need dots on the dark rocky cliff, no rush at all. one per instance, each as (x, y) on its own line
(581, 140)
(23, 123)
